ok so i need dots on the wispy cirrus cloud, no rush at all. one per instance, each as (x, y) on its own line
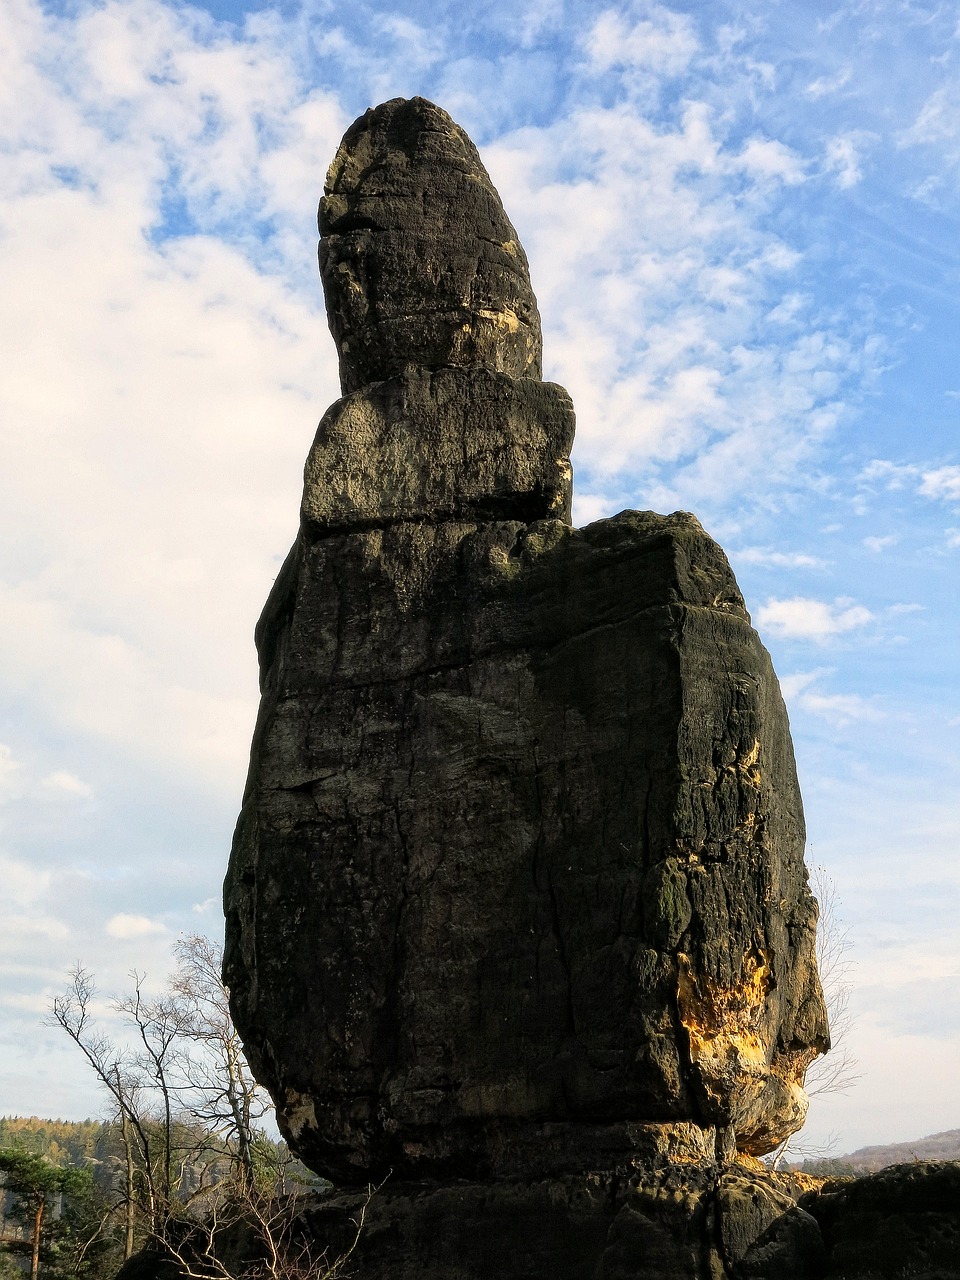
(769, 556)
(800, 691)
(878, 544)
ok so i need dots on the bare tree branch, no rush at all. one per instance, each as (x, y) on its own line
(838, 1070)
(195, 1166)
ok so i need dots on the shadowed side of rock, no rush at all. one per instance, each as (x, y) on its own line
(517, 915)
(519, 869)
(538, 860)
(691, 1220)
(659, 1219)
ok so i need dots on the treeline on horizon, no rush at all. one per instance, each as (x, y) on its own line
(72, 1142)
(84, 1144)
(81, 1234)
(97, 1145)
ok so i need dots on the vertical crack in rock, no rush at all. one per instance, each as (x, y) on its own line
(517, 890)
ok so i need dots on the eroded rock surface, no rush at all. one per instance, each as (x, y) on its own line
(519, 867)
(420, 263)
(663, 1215)
(901, 1221)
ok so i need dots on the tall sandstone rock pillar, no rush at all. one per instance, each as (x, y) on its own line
(518, 880)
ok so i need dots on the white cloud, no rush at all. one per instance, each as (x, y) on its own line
(940, 484)
(801, 618)
(124, 926)
(659, 326)
(824, 85)
(128, 695)
(18, 781)
(588, 507)
(539, 17)
(778, 559)
(843, 160)
(769, 158)
(943, 483)
(663, 42)
(839, 709)
(788, 309)
(24, 885)
(880, 544)
(9, 770)
(27, 914)
(421, 46)
(937, 121)
(17, 929)
(935, 133)
(890, 475)
(158, 397)
(67, 783)
(927, 190)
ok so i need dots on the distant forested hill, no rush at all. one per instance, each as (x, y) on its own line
(98, 1146)
(938, 1146)
(85, 1143)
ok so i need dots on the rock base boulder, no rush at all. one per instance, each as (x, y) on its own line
(682, 1220)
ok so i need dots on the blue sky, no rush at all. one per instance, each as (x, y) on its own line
(742, 223)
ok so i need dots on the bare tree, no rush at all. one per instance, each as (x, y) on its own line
(837, 1070)
(112, 1066)
(218, 1088)
(186, 1100)
(159, 1025)
(279, 1242)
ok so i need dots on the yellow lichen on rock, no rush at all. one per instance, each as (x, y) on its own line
(505, 318)
(723, 1023)
(749, 763)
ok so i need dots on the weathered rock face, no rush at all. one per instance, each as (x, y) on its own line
(657, 1217)
(418, 259)
(519, 869)
(686, 1221)
(902, 1221)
